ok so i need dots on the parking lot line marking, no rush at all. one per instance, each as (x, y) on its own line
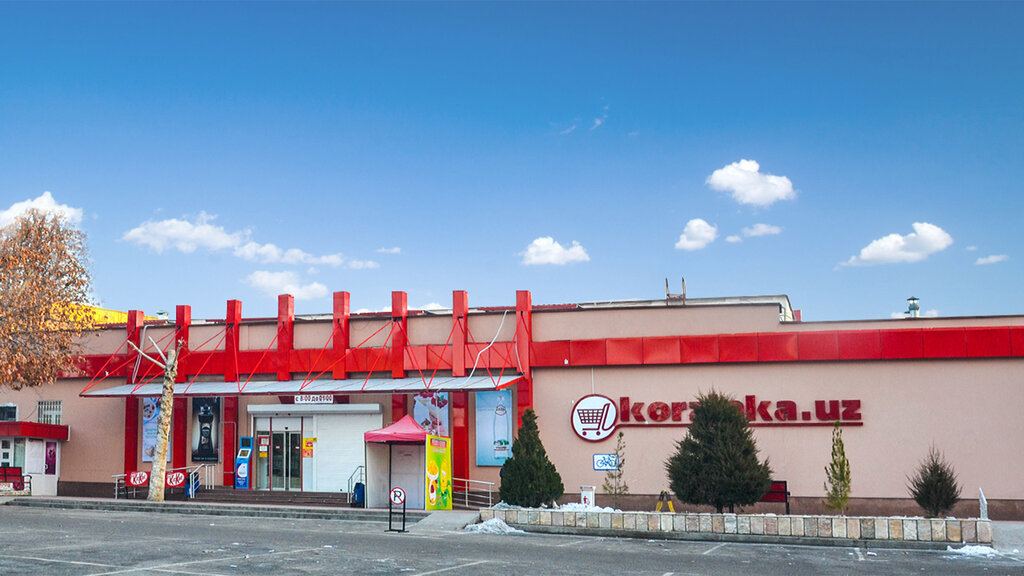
(171, 567)
(572, 543)
(452, 568)
(860, 557)
(38, 559)
(710, 550)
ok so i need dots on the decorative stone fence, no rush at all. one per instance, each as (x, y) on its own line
(835, 530)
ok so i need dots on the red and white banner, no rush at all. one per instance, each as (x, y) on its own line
(137, 479)
(141, 478)
(174, 480)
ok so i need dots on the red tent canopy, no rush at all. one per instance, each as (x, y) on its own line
(405, 430)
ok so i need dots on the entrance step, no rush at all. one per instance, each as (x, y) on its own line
(273, 498)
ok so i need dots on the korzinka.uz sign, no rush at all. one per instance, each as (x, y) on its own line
(596, 417)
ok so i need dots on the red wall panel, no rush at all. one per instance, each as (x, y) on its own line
(550, 353)
(662, 350)
(945, 343)
(737, 348)
(860, 345)
(777, 347)
(818, 345)
(698, 349)
(625, 351)
(587, 353)
(902, 344)
(988, 342)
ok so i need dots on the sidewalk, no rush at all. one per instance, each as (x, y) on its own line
(1008, 537)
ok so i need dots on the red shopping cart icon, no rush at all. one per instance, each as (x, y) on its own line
(593, 419)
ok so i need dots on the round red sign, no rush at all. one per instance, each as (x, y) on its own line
(594, 417)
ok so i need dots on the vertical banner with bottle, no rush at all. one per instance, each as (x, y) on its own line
(439, 473)
(493, 427)
(205, 429)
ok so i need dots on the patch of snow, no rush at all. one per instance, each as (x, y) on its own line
(493, 526)
(577, 507)
(974, 551)
(505, 506)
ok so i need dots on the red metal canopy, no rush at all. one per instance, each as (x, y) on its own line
(405, 430)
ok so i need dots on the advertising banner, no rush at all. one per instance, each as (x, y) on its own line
(493, 427)
(205, 429)
(431, 411)
(150, 419)
(439, 473)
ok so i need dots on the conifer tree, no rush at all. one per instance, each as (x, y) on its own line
(935, 487)
(614, 484)
(837, 475)
(529, 478)
(716, 463)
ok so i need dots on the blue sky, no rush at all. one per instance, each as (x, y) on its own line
(848, 155)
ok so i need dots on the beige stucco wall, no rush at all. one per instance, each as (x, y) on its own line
(969, 410)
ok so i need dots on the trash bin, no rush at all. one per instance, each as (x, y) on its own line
(359, 495)
(587, 495)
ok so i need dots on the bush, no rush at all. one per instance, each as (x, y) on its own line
(529, 478)
(935, 487)
(716, 464)
(837, 475)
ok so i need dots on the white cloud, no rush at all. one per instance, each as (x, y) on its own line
(993, 259)
(44, 203)
(733, 239)
(393, 250)
(748, 185)
(697, 235)
(761, 230)
(971, 248)
(184, 235)
(545, 250)
(568, 130)
(188, 236)
(925, 240)
(274, 283)
(598, 122)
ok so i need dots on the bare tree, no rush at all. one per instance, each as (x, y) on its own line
(169, 364)
(44, 285)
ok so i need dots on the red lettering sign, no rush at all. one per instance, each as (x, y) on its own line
(174, 480)
(137, 479)
(599, 425)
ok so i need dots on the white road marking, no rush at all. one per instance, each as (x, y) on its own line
(171, 567)
(37, 559)
(563, 544)
(860, 557)
(452, 568)
(710, 550)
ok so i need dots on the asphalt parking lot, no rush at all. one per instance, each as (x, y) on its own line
(101, 542)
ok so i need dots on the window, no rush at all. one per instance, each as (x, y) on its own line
(8, 413)
(49, 412)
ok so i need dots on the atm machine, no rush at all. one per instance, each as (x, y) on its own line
(242, 463)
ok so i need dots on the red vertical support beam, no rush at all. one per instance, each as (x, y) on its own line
(179, 433)
(342, 339)
(131, 403)
(460, 400)
(342, 335)
(460, 434)
(182, 320)
(285, 335)
(524, 332)
(231, 323)
(400, 319)
(227, 447)
(179, 415)
(460, 324)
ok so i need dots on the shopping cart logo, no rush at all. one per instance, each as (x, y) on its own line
(594, 417)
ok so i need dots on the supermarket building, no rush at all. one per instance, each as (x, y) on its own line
(305, 389)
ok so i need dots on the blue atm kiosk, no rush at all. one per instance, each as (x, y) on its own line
(242, 467)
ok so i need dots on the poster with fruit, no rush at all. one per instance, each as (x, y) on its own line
(439, 473)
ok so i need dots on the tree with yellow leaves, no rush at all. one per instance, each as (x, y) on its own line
(44, 282)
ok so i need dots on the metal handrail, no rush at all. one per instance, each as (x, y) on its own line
(358, 475)
(199, 476)
(475, 493)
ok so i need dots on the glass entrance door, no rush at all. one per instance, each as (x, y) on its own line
(286, 461)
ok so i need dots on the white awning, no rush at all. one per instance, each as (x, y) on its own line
(323, 386)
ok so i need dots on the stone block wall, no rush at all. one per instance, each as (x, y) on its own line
(683, 525)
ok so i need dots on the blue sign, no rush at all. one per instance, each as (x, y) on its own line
(606, 462)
